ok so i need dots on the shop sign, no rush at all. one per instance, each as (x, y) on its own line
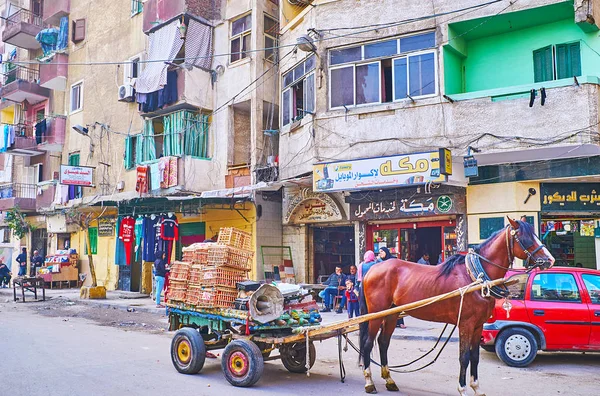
(420, 206)
(77, 175)
(106, 227)
(307, 207)
(398, 170)
(570, 196)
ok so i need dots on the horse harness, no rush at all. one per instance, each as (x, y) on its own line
(476, 270)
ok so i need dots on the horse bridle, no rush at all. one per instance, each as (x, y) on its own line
(541, 263)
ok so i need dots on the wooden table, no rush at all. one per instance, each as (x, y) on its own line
(31, 285)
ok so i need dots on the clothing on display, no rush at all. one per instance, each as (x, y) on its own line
(119, 248)
(139, 232)
(141, 185)
(170, 228)
(127, 234)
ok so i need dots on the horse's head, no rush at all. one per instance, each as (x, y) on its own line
(525, 245)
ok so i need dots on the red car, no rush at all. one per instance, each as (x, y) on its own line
(557, 309)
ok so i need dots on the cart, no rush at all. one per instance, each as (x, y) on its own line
(247, 347)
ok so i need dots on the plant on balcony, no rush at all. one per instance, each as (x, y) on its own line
(16, 222)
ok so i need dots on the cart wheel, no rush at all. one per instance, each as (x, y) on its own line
(242, 363)
(293, 356)
(188, 351)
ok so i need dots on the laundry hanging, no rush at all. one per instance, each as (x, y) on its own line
(63, 34)
(163, 46)
(198, 45)
(127, 235)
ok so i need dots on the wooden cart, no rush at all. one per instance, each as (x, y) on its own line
(245, 352)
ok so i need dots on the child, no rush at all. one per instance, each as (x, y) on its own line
(351, 298)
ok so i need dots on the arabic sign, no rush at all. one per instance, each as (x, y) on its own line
(306, 207)
(423, 205)
(570, 196)
(409, 169)
(77, 175)
(106, 227)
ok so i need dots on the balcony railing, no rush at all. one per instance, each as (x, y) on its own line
(25, 16)
(21, 73)
(18, 190)
(21, 29)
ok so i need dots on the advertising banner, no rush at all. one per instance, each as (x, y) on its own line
(77, 175)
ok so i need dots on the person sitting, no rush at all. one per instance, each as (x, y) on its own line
(352, 299)
(335, 287)
(352, 275)
(424, 259)
(5, 274)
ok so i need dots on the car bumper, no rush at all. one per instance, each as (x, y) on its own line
(489, 334)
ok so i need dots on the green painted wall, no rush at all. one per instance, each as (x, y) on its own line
(506, 59)
(453, 78)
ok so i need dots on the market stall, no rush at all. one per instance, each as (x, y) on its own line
(61, 268)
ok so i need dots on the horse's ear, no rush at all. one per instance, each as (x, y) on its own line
(513, 223)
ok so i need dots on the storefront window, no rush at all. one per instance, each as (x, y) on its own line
(570, 241)
(386, 238)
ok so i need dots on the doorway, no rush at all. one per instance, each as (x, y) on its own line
(333, 247)
(429, 241)
(39, 241)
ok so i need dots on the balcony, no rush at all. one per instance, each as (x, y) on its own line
(25, 144)
(157, 12)
(54, 10)
(18, 195)
(21, 29)
(22, 84)
(53, 75)
(54, 139)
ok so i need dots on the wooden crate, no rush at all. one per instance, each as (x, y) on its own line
(227, 256)
(222, 277)
(236, 238)
(177, 290)
(210, 297)
(196, 276)
(180, 270)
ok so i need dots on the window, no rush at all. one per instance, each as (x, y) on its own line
(5, 234)
(555, 287)
(76, 97)
(517, 291)
(137, 6)
(556, 61)
(240, 37)
(132, 69)
(271, 32)
(298, 96)
(592, 284)
(78, 29)
(383, 71)
(93, 231)
(75, 191)
(490, 225)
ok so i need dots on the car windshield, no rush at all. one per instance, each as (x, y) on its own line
(592, 284)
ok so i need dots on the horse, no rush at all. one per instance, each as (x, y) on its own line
(396, 282)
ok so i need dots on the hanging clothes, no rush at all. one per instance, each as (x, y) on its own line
(48, 38)
(149, 239)
(40, 131)
(127, 235)
(63, 34)
(173, 162)
(4, 140)
(139, 233)
(155, 176)
(159, 243)
(198, 45)
(119, 247)
(170, 228)
(163, 167)
(141, 185)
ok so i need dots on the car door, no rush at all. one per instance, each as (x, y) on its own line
(592, 285)
(555, 306)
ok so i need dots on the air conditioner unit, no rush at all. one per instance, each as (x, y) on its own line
(126, 93)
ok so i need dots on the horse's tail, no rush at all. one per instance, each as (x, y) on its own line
(364, 326)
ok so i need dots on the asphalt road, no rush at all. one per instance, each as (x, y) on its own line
(70, 356)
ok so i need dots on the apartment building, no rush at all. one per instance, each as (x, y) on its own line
(186, 83)
(421, 127)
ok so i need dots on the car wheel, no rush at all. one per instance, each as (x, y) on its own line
(517, 347)
(488, 348)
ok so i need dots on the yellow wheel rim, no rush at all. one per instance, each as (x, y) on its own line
(238, 364)
(184, 351)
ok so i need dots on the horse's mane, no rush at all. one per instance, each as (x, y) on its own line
(526, 234)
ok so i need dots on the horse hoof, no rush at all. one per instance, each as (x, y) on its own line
(370, 389)
(392, 387)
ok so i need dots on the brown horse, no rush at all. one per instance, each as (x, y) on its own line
(397, 282)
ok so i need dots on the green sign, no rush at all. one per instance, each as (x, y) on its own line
(444, 204)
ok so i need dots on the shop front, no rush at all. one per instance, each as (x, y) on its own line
(412, 221)
(330, 236)
(570, 223)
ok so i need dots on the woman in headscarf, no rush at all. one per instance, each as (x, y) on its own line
(384, 254)
(160, 272)
(363, 267)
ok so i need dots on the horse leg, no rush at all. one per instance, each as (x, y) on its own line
(389, 324)
(475, 340)
(374, 326)
(464, 358)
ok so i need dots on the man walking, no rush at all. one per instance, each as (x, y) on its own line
(37, 261)
(22, 260)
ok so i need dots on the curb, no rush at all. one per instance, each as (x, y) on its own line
(422, 338)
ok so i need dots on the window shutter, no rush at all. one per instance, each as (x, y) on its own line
(78, 30)
(129, 163)
(93, 240)
(543, 69)
(568, 60)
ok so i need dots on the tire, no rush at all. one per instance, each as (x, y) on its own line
(242, 363)
(188, 351)
(293, 356)
(517, 347)
(488, 348)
